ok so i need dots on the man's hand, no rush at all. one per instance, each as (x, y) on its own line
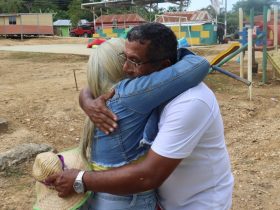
(63, 182)
(97, 110)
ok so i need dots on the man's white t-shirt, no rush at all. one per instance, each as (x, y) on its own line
(191, 128)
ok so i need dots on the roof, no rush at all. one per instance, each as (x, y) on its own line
(120, 18)
(184, 16)
(83, 22)
(121, 3)
(62, 23)
(194, 23)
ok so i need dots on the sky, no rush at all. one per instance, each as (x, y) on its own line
(198, 4)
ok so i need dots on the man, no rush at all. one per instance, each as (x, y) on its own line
(220, 34)
(188, 161)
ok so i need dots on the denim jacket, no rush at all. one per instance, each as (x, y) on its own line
(136, 103)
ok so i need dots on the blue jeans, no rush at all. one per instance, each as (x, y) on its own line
(105, 201)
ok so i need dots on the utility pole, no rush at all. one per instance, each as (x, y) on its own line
(181, 6)
(93, 18)
(225, 17)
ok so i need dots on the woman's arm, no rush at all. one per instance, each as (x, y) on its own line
(144, 93)
(192, 72)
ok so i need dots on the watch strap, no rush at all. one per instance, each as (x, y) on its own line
(80, 175)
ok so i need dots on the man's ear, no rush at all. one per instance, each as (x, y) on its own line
(165, 63)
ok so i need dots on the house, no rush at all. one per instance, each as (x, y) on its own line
(119, 21)
(21, 24)
(116, 25)
(62, 27)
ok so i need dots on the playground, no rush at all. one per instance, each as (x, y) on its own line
(39, 101)
(40, 104)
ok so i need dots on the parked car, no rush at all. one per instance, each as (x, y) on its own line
(82, 31)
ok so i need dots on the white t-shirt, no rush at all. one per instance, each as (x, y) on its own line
(191, 128)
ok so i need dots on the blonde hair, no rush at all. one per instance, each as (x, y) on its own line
(104, 71)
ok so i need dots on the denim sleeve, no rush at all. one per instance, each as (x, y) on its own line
(144, 93)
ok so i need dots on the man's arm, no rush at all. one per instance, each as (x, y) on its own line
(97, 111)
(133, 178)
(143, 176)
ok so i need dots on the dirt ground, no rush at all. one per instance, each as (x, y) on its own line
(39, 99)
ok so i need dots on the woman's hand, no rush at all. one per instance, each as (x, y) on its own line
(97, 110)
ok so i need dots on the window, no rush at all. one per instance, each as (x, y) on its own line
(85, 27)
(12, 20)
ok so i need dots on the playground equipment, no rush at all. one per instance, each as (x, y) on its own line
(233, 47)
(274, 59)
(248, 43)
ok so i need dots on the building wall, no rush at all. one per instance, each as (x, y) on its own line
(62, 31)
(35, 19)
(1, 21)
(5, 21)
(205, 34)
(27, 24)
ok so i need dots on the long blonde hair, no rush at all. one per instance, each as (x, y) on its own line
(104, 71)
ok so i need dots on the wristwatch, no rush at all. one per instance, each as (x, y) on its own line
(78, 183)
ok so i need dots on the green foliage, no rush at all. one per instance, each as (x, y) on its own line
(60, 14)
(71, 9)
(179, 6)
(233, 16)
(257, 5)
(11, 6)
(232, 22)
(75, 11)
(211, 11)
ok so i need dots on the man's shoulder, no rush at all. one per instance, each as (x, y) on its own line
(199, 92)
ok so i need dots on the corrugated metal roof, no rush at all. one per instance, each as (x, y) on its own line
(120, 18)
(62, 23)
(121, 3)
(83, 22)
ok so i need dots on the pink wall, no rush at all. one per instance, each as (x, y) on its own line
(26, 29)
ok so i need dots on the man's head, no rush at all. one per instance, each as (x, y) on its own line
(149, 47)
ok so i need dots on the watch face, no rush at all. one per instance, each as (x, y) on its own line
(78, 186)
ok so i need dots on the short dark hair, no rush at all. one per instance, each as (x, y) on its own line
(163, 42)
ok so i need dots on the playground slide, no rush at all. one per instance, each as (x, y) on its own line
(274, 58)
(233, 47)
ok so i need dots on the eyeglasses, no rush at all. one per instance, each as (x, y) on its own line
(124, 58)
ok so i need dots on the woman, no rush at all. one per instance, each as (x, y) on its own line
(135, 102)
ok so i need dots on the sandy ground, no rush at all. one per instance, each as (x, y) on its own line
(39, 99)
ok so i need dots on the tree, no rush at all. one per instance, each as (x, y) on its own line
(232, 22)
(11, 6)
(211, 11)
(179, 6)
(257, 5)
(44, 6)
(75, 12)
(60, 14)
